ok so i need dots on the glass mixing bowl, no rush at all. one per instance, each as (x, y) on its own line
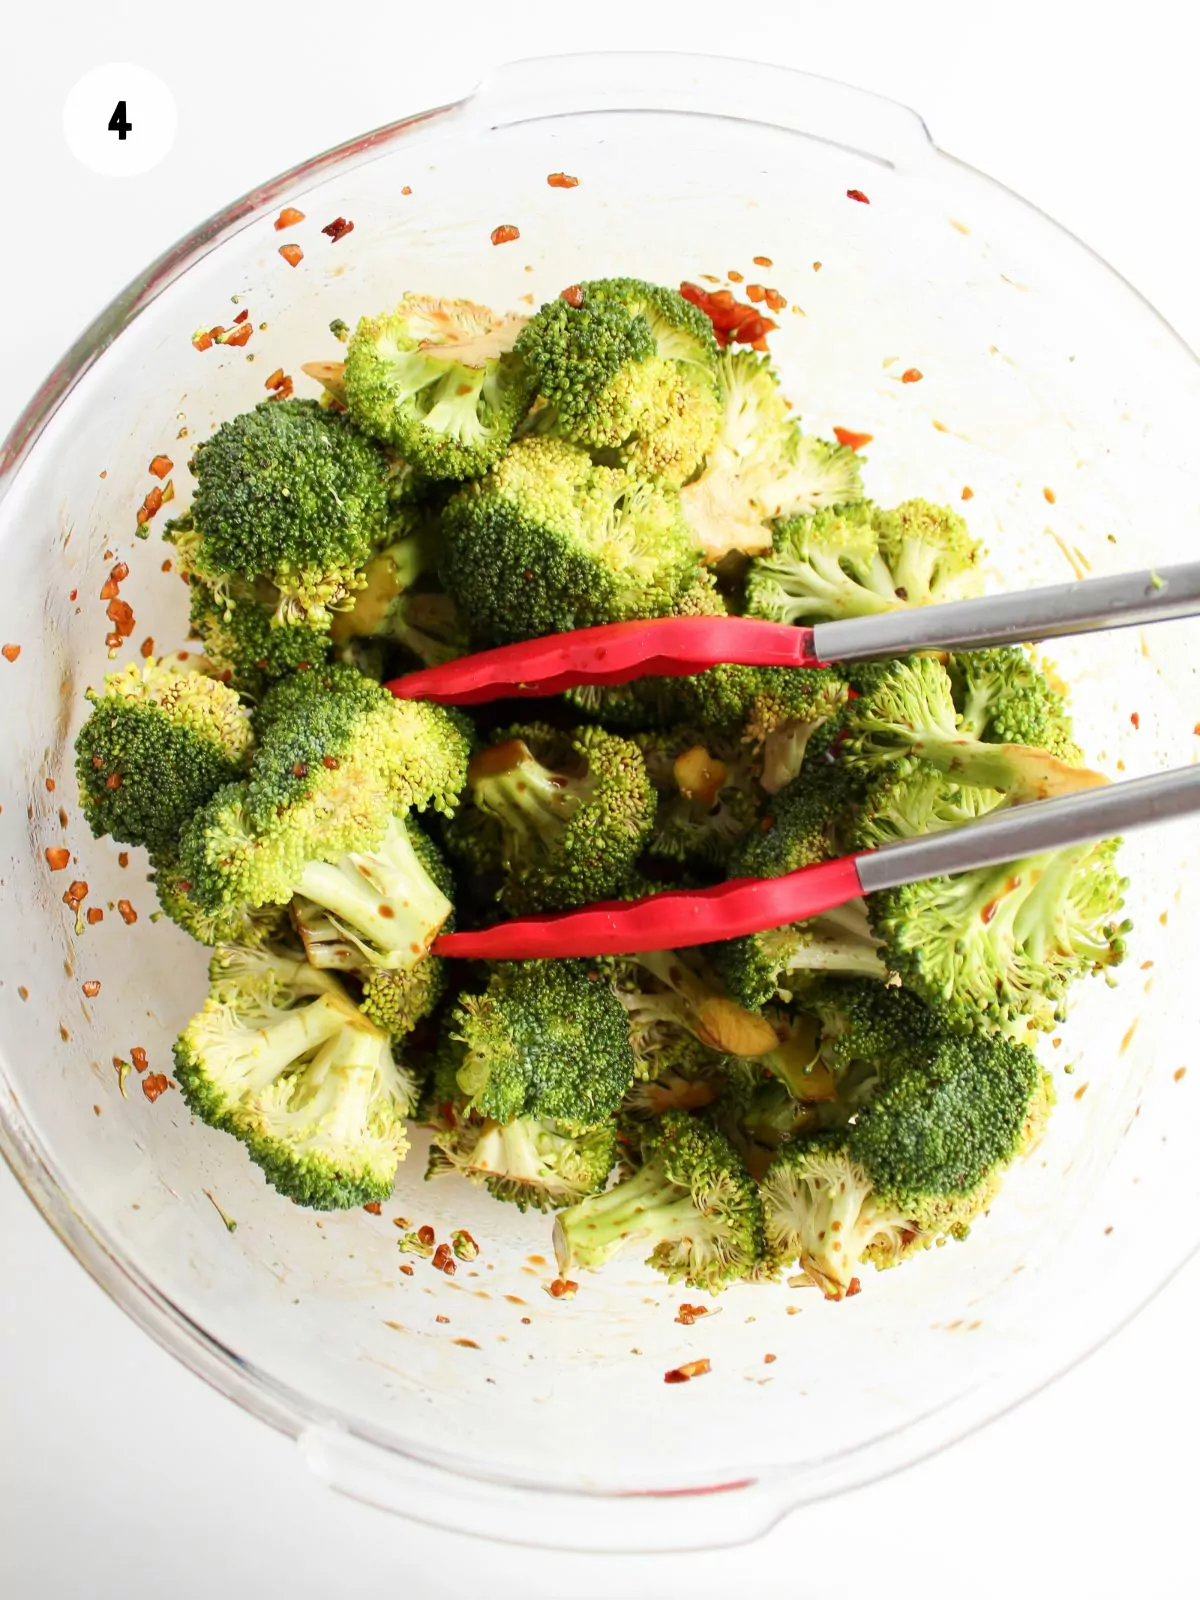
(1050, 391)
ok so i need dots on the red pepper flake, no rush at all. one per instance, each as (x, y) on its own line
(735, 276)
(967, 492)
(139, 1058)
(407, 189)
(768, 1358)
(120, 614)
(374, 1207)
(775, 300)
(147, 647)
(241, 316)
(730, 318)
(443, 1260)
(505, 233)
(74, 595)
(526, 1320)
(91, 988)
(167, 565)
(852, 440)
(95, 914)
(1049, 496)
(23, 991)
(292, 254)
(763, 261)
(755, 293)
(128, 914)
(911, 375)
(857, 194)
(853, 1287)
(284, 391)
(50, 785)
(160, 466)
(562, 1289)
(561, 180)
(330, 762)
(299, 769)
(1179, 1074)
(10, 652)
(288, 218)
(573, 296)
(155, 1084)
(76, 894)
(817, 265)
(238, 336)
(406, 1269)
(123, 859)
(57, 857)
(440, 1318)
(688, 1313)
(1135, 719)
(274, 381)
(337, 229)
(202, 339)
(689, 1370)
(114, 779)
(426, 1234)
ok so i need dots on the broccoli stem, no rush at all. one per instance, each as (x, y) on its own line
(531, 803)
(277, 1046)
(1015, 769)
(646, 1206)
(384, 899)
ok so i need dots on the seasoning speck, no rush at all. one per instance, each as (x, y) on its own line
(562, 1289)
(1049, 496)
(851, 439)
(967, 492)
(857, 194)
(374, 1207)
(562, 180)
(689, 1370)
(505, 234)
(160, 466)
(154, 1084)
(768, 1358)
(57, 857)
(288, 218)
(337, 229)
(10, 652)
(91, 988)
(1179, 1074)
(911, 375)
(440, 1318)
(292, 254)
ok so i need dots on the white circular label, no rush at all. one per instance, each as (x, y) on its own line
(120, 120)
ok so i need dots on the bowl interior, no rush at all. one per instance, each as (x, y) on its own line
(1054, 410)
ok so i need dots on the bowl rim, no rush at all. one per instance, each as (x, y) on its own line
(660, 1519)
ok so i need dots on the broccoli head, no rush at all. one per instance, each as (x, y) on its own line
(629, 369)
(549, 542)
(1003, 697)
(246, 641)
(905, 716)
(280, 1057)
(439, 381)
(291, 493)
(545, 1039)
(691, 1201)
(760, 467)
(707, 793)
(807, 821)
(569, 814)
(530, 1162)
(918, 1163)
(858, 560)
(780, 961)
(158, 742)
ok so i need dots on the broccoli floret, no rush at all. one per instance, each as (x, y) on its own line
(629, 369)
(905, 715)
(859, 560)
(395, 605)
(280, 1057)
(236, 924)
(760, 467)
(777, 709)
(548, 542)
(158, 742)
(807, 822)
(438, 379)
(1003, 697)
(919, 1162)
(244, 638)
(293, 494)
(545, 1039)
(674, 1072)
(780, 961)
(692, 1202)
(707, 793)
(530, 1162)
(996, 944)
(571, 813)
(663, 994)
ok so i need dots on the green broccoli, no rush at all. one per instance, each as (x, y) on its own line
(1003, 697)
(674, 1071)
(777, 709)
(692, 1201)
(396, 605)
(545, 1039)
(438, 380)
(780, 961)
(760, 467)
(244, 640)
(291, 493)
(707, 793)
(664, 993)
(530, 1162)
(918, 1163)
(158, 742)
(807, 821)
(235, 924)
(905, 716)
(859, 560)
(628, 369)
(569, 814)
(549, 542)
(999, 944)
(280, 1057)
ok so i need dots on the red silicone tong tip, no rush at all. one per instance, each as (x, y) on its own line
(670, 921)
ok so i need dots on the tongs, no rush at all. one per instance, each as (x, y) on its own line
(679, 646)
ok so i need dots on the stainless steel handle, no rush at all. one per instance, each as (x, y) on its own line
(1030, 830)
(1019, 618)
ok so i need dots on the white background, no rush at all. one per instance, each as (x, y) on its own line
(120, 1474)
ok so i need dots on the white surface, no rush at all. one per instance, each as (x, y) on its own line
(120, 1473)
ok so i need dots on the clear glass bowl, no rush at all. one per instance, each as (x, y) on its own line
(1050, 390)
